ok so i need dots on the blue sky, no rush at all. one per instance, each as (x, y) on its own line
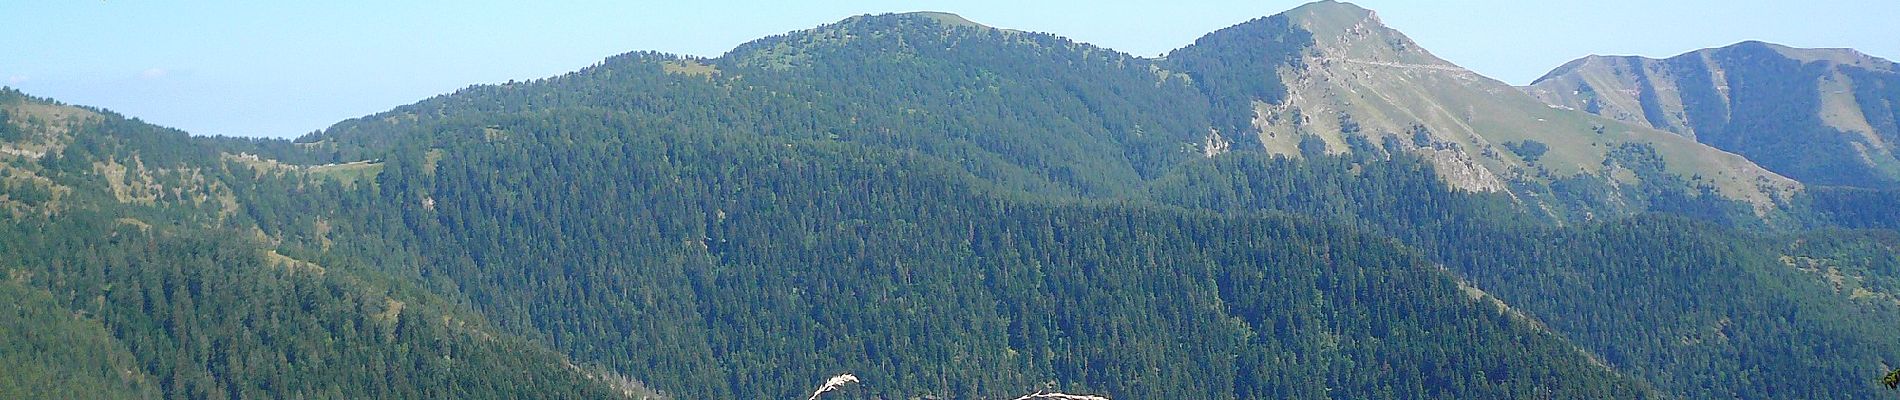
(282, 69)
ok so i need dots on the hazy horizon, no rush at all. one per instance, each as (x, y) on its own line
(282, 70)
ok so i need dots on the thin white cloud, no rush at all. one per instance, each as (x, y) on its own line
(154, 73)
(17, 79)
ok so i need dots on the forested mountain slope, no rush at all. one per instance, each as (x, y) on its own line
(739, 264)
(719, 265)
(1027, 110)
(1699, 309)
(137, 263)
(1041, 113)
(946, 210)
(1393, 194)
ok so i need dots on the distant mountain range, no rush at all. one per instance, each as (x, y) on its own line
(1305, 205)
(1822, 116)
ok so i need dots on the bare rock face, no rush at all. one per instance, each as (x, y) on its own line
(1215, 144)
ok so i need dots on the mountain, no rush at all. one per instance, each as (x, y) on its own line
(1046, 114)
(1023, 114)
(943, 209)
(711, 264)
(140, 263)
(1343, 82)
(1821, 116)
(1030, 111)
(807, 204)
